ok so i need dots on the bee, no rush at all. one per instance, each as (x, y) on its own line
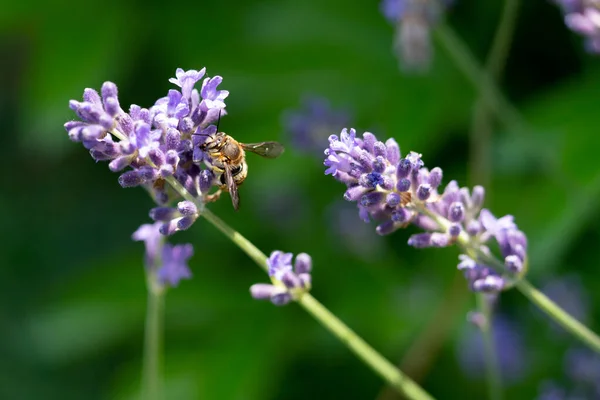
(227, 158)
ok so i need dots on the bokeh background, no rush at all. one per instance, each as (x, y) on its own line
(72, 281)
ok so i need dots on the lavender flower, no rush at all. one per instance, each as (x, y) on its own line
(399, 191)
(582, 370)
(174, 264)
(583, 17)
(288, 283)
(165, 264)
(413, 20)
(309, 127)
(509, 347)
(155, 143)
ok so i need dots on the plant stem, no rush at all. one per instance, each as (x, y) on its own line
(386, 370)
(151, 374)
(556, 313)
(491, 358)
(480, 173)
(481, 126)
(393, 376)
(559, 315)
(254, 253)
(466, 62)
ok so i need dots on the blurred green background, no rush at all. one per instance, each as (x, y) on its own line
(72, 281)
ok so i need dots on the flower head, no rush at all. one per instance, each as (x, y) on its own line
(398, 191)
(154, 144)
(413, 20)
(288, 283)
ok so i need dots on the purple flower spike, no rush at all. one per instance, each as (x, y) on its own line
(378, 178)
(152, 145)
(154, 148)
(288, 283)
(397, 191)
(413, 20)
(174, 264)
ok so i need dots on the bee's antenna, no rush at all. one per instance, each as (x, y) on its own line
(219, 120)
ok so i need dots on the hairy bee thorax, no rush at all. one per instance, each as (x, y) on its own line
(223, 149)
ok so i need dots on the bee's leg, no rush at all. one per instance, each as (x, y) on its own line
(210, 198)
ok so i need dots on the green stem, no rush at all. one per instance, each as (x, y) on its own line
(254, 253)
(151, 374)
(556, 313)
(386, 370)
(559, 315)
(491, 358)
(469, 66)
(481, 127)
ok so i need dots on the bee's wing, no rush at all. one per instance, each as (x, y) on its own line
(264, 149)
(232, 188)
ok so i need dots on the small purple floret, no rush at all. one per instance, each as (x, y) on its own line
(289, 282)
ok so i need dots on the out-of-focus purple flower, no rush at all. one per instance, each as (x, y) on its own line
(155, 144)
(153, 241)
(174, 264)
(582, 370)
(413, 20)
(288, 283)
(510, 350)
(570, 294)
(397, 191)
(164, 262)
(310, 126)
(583, 366)
(583, 17)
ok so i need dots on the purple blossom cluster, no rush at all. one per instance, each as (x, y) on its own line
(309, 127)
(288, 283)
(583, 17)
(413, 20)
(166, 263)
(154, 143)
(398, 191)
